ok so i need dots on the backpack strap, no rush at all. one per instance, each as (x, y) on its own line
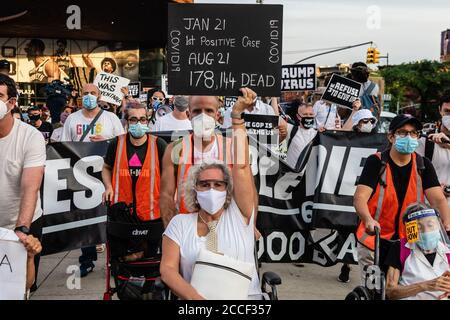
(420, 164)
(370, 88)
(404, 253)
(292, 135)
(384, 159)
(429, 149)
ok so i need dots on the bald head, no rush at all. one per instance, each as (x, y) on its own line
(204, 104)
(90, 88)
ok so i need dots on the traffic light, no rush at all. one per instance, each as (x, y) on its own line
(376, 55)
(370, 55)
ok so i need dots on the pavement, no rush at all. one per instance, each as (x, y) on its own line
(57, 280)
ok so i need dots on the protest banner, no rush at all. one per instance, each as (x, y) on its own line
(13, 270)
(210, 53)
(291, 204)
(134, 89)
(111, 87)
(342, 91)
(298, 77)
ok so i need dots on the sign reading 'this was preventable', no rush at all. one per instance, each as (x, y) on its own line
(298, 77)
(216, 49)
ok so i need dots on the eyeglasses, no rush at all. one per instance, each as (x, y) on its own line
(404, 133)
(134, 120)
(159, 99)
(205, 185)
(371, 120)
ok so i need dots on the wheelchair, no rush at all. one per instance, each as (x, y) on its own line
(132, 254)
(375, 282)
(269, 282)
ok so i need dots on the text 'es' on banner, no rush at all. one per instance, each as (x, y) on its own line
(215, 49)
(342, 91)
(298, 77)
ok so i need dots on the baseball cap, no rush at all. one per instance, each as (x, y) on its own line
(402, 119)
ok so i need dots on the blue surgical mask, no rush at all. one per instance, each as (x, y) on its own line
(137, 130)
(406, 145)
(429, 240)
(89, 101)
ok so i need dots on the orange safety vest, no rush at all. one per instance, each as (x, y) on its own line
(186, 160)
(383, 206)
(148, 183)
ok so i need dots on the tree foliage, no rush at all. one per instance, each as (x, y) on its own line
(421, 82)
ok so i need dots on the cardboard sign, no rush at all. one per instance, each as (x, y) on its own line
(143, 97)
(263, 127)
(229, 102)
(298, 77)
(111, 87)
(412, 231)
(134, 89)
(215, 49)
(342, 91)
(13, 270)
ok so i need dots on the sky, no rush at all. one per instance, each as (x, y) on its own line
(407, 30)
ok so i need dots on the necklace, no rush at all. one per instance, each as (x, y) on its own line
(201, 218)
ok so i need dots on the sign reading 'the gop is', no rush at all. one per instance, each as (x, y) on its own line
(215, 49)
(342, 91)
(298, 77)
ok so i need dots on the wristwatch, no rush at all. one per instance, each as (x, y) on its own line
(22, 229)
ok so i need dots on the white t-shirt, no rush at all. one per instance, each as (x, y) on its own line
(440, 161)
(325, 112)
(260, 108)
(298, 143)
(211, 154)
(170, 123)
(56, 135)
(366, 85)
(108, 126)
(235, 238)
(23, 147)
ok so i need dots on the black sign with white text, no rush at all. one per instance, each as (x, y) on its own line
(229, 102)
(215, 49)
(134, 89)
(298, 77)
(342, 91)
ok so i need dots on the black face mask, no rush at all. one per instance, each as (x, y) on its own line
(34, 117)
(307, 122)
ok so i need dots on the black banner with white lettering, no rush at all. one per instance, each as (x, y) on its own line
(215, 49)
(342, 90)
(134, 89)
(298, 77)
(303, 217)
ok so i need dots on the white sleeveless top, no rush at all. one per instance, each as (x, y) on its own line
(235, 238)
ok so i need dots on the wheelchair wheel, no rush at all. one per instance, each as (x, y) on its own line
(359, 293)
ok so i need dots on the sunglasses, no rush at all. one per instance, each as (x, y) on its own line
(159, 99)
(371, 120)
(205, 185)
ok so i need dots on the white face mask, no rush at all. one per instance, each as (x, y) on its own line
(203, 126)
(212, 200)
(446, 122)
(3, 109)
(366, 127)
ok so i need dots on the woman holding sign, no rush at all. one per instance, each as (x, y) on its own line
(419, 263)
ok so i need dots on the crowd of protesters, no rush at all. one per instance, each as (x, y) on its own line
(392, 187)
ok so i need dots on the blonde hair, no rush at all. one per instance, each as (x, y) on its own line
(190, 194)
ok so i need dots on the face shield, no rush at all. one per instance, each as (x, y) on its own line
(424, 229)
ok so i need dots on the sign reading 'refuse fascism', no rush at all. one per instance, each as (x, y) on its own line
(217, 49)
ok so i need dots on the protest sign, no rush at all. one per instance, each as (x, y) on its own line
(342, 91)
(134, 89)
(13, 270)
(210, 52)
(229, 102)
(143, 97)
(298, 77)
(261, 125)
(110, 87)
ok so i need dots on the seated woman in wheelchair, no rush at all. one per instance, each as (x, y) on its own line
(419, 265)
(224, 206)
